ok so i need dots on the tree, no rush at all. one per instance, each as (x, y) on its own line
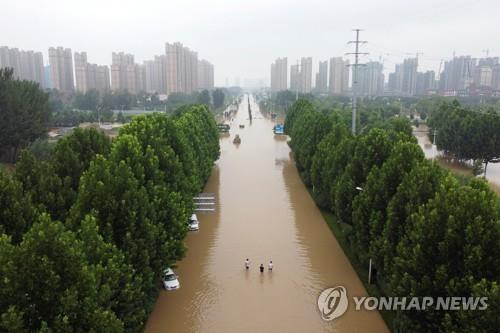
(16, 211)
(467, 134)
(24, 113)
(370, 206)
(309, 129)
(43, 186)
(58, 289)
(415, 190)
(294, 111)
(326, 163)
(86, 101)
(121, 118)
(204, 97)
(371, 149)
(450, 249)
(218, 98)
(73, 153)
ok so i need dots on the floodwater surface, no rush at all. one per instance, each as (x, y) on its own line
(431, 152)
(264, 212)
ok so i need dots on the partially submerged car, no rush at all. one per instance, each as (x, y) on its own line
(170, 281)
(193, 223)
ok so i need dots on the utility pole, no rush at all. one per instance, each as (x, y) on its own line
(355, 76)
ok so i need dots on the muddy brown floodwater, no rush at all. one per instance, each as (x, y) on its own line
(264, 212)
(431, 152)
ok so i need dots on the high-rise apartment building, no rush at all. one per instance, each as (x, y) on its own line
(457, 74)
(155, 75)
(205, 75)
(61, 69)
(409, 79)
(294, 78)
(90, 76)
(339, 76)
(182, 68)
(27, 65)
(426, 82)
(305, 75)
(395, 81)
(403, 81)
(126, 74)
(322, 77)
(279, 70)
(495, 77)
(484, 72)
(371, 79)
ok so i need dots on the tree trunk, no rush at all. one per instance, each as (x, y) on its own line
(485, 168)
(14, 154)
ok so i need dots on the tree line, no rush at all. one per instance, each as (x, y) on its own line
(467, 134)
(427, 233)
(24, 114)
(86, 232)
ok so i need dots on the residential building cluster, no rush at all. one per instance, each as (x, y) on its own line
(460, 76)
(333, 79)
(178, 70)
(27, 65)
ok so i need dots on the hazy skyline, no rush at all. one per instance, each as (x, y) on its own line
(242, 38)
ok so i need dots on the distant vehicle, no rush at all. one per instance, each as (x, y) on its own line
(237, 139)
(193, 224)
(279, 129)
(242, 126)
(193, 217)
(223, 128)
(170, 281)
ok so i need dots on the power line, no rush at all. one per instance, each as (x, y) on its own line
(356, 64)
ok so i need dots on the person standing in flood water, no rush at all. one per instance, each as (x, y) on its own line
(247, 264)
(262, 268)
(270, 266)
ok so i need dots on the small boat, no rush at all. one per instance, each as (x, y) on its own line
(242, 126)
(237, 139)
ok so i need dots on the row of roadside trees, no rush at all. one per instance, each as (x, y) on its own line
(427, 234)
(86, 232)
(467, 134)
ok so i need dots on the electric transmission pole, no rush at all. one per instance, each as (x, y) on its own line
(355, 76)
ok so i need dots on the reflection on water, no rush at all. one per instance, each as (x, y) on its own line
(264, 213)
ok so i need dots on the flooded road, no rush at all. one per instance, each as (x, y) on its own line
(263, 213)
(431, 152)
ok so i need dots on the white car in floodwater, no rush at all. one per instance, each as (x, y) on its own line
(193, 223)
(170, 281)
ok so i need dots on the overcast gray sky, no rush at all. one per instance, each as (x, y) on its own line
(242, 38)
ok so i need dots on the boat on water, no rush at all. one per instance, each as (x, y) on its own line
(237, 139)
(279, 129)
